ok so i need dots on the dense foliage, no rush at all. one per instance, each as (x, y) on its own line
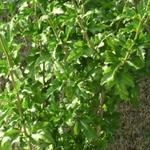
(64, 67)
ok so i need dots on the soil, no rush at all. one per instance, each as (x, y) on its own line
(134, 133)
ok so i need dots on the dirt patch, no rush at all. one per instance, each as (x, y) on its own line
(134, 133)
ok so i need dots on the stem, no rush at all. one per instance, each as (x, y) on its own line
(9, 59)
(85, 33)
(43, 73)
(125, 5)
(51, 24)
(10, 63)
(54, 29)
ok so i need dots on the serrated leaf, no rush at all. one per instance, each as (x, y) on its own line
(108, 76)
(122, 83)
(79, 49)
(121, 90)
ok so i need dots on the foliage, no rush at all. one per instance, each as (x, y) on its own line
(64, 67)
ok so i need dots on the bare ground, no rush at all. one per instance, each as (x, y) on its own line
(134, 133)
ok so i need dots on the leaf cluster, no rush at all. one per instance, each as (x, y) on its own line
(64, 68)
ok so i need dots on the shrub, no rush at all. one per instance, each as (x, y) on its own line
(65, 65)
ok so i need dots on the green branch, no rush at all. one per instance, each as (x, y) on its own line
(84, 31)
(19, 102)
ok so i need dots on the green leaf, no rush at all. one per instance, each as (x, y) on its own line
(122, 83)
(137, 63)
(37, 136)
(79, 49)
(108, 75)
(48, 137)
(54, 86)
(89, 131)
(127, 79)
(6, 143)
(75, 54)
(12, 132)
(121, 90)
(76, 128)
(141, 53)
(43, 135)
(110, 57)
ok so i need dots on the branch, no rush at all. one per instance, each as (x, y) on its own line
(19, 102)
